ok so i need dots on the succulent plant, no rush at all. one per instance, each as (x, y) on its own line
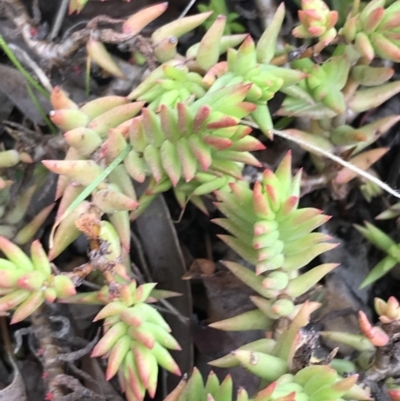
(324, 94)
(193, 146)
(27, 282)
(387, 245)
(10, 158)
(250, 65)
(376, 341)
(374, 30)
(169, 85)
(218, 8)
(76, 5)
(13, 215)
(13, 223)
(325, 82)
(172, 145)
(312, 383)
(394, 392)
(136, 338)
(267, 359)
(316, 21)
(391, 213)
(87, 128)
(388, 311)
(372, 335)
(270, 231)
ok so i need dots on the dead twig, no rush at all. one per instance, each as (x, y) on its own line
(75, 355)
(26, 60)
(80, 393)
(60, 53)
(62, 10)
(49, 352)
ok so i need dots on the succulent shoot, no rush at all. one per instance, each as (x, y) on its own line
(387, 245)
(316, 21)
(26, 282)
(136, 340)
(269, 230)
(313, 383)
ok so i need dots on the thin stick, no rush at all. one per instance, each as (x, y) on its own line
(340, 161)
(62, 9)
(27, 60)
(187, 8)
